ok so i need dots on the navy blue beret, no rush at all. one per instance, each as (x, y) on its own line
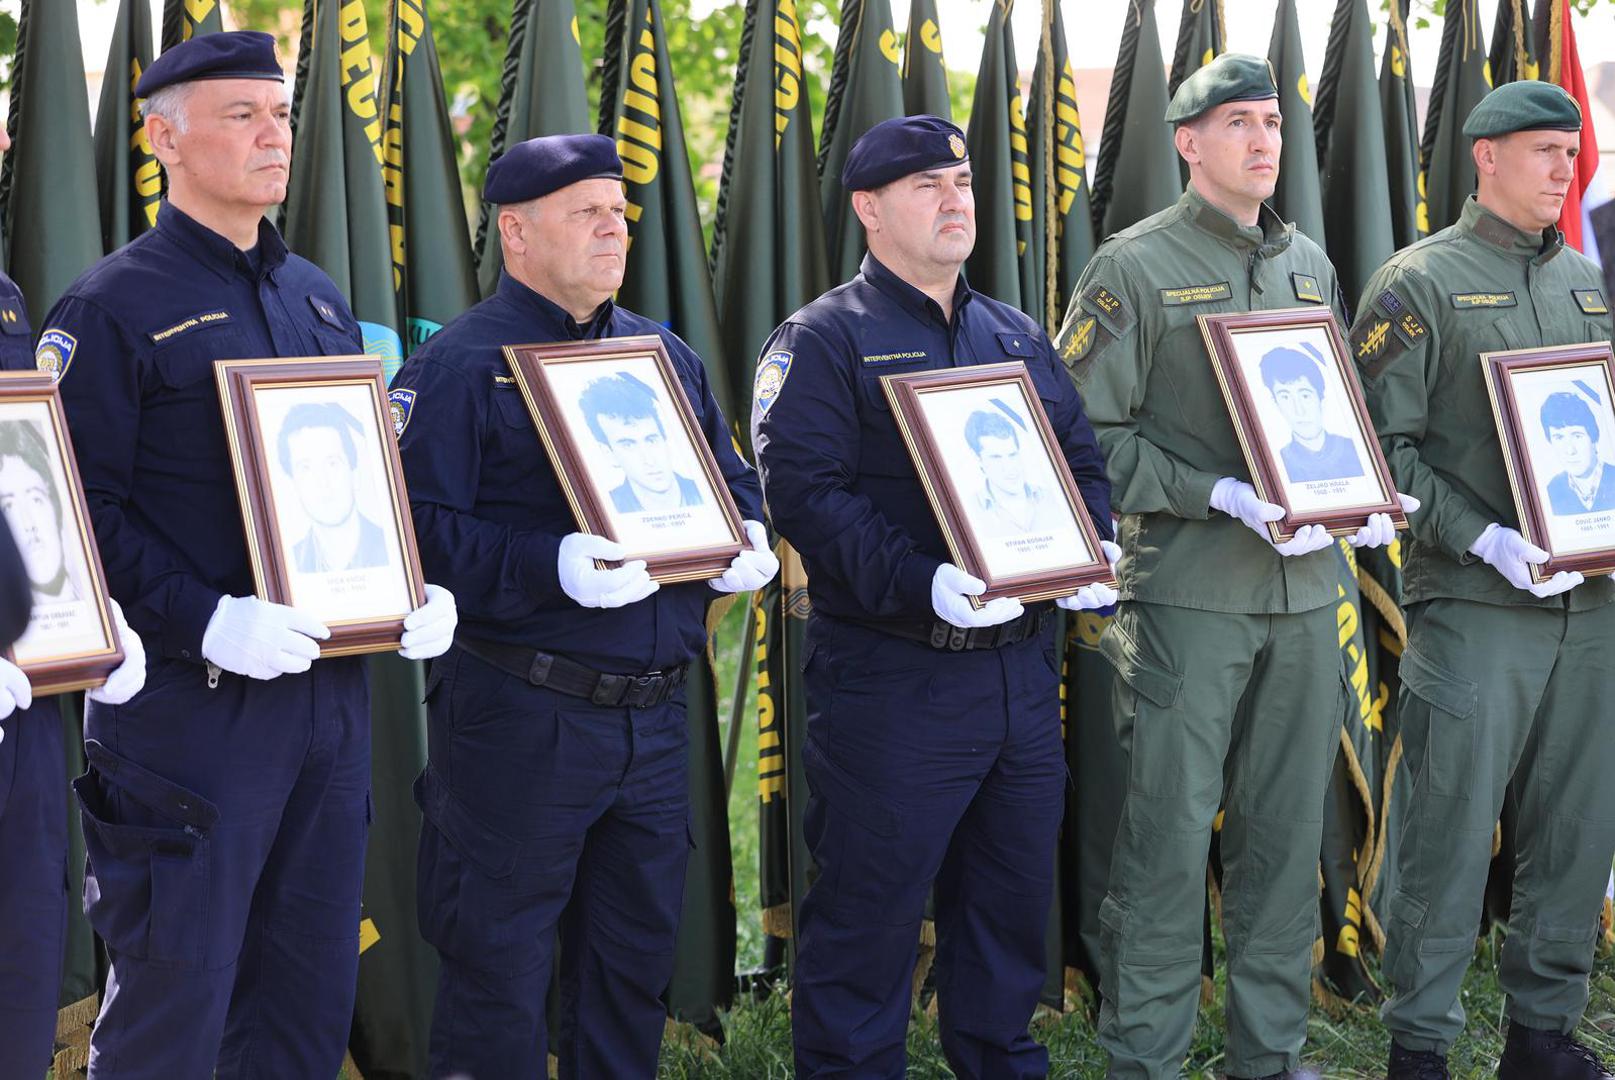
(232, 54)
(533, 169)
(896, 148)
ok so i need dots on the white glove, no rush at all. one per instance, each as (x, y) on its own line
(15, 692)
(429, 629)
(252, 637)
(1098, 594)
(752, 568)
(1510, 554)
(128, 678)
(1238, 499)
(1380, 531)
(951, 589)
(595, 588)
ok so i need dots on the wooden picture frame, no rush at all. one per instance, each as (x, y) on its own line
(1555, 423)
(72, 639)
(642, 475)
(320, 484)
(1299, 414)
(1015, 521)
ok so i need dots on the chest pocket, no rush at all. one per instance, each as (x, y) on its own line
(881, 451)
(511, 411)
(333, 333)
(182, 402)
(16, 337)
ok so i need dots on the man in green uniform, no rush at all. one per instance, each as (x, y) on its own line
(1505, 680)
(1229, 691)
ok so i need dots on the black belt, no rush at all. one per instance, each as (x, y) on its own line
(943, 635)
(569, 677)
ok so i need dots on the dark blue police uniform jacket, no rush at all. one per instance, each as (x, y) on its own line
(489, 512)
(33, 803)
(840, 484)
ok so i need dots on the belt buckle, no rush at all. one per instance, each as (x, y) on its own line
(958, 639)
(642, 689)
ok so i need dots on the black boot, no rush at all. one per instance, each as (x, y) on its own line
(1529, 1054)
(1295, 1074)
(1408, 1064)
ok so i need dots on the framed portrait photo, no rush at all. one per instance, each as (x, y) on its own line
(629, 454)
(322, 494)
(1557, 429)
(71, 642)
(1300, 419)
(997, 480)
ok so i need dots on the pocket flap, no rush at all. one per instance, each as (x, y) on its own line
(492, 852)
(1438, 686)
(1139, 670)
(830, 781)
(150, 790)
(1021, 345)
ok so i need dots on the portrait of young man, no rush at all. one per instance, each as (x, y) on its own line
(1294, 376)
(33, 508)
(1007, 504)
(1586, 482)
(317, 451)
(622, 414)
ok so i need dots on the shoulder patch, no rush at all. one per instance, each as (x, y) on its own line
(1591, 301)
(1197, 294)
(1389, 302)
(1307, 288)
(55, 352)
(1112, 311)
(400, 403)
(1465, 300)
(185, 326)
(1411, 326)
(771, 372)
(1080, 341)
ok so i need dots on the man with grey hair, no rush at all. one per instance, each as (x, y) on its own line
(225, 809)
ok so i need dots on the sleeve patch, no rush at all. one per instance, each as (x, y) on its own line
(1111, 310)
(400, 404)
(771, 372)
(55, 352)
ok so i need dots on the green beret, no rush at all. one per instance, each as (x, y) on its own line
(1230, 77)
(1527, 105)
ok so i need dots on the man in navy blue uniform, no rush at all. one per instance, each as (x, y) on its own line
(555, 795)
(933, 752)
(226, 807)
(33, 797)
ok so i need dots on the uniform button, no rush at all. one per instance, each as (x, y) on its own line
(185, 653)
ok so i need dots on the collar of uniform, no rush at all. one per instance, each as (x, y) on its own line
(216, 252)
(1487, 226)
(876, 273)
(557, 321)
(1270, 232)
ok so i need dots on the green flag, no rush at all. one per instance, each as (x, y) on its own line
(1351, 145)
(866, 87)
(336, 213)
(1409, 218)
(129, 178)
(925, 74)
(667, 278)
(1059, 171)
(433, 272)
(1514, 55)
(1461, 81)
(184, 19)
(541, 92)
(667, 281)
(1298, 197)
(1138, 165)
(1004, 262)
(768, 254)
(780, 612)
(1201, 37)
(1351, 802)
(47, 184)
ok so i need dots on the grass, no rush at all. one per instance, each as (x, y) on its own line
(1350, 1045)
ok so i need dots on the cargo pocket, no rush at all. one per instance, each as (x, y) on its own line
(1438, 724)
(147, 861)
(1145, 724)
(1405, 939)
(467, 904)
(871, 876)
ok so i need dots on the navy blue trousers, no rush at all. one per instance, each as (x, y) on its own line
(926, 768)
(225, 835)
(547, 817)
(33, 886)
